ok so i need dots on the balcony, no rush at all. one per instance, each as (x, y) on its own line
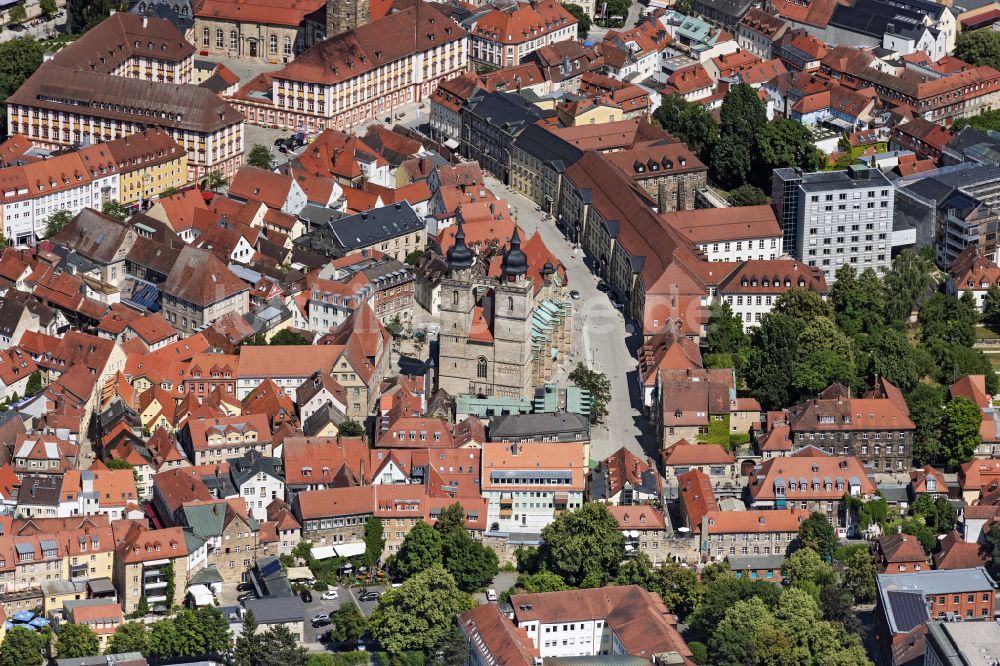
(506, 512)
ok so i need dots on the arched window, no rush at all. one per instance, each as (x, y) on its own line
(205, 37)
(218, 38)
(274, 45)
(510, 303)
(454, 297)
(234, 39)
(288, 46)
(481, 368)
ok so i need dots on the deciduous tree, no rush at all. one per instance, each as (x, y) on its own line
(688, 122)
(747, 195)
(979, 47)
(374, 541)
(19, 58)
(859, 577)
(960, 430)
(471, 564)
(583, 546)
(825, 356)
(129, 637)
(542, 581)
(115, 209)
(421, 549)
(416, 615)
(77, 640)
(56, 221)
(22, 647)
(816, 533)
(598, 385)
(349, 624)
(260, 157)
(806, 566)
(583, 20)
(926, 405)
(770, 363)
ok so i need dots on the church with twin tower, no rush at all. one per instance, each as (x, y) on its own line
(501, 335)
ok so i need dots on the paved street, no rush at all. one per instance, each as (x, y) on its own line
(599, 337)
(45, 28)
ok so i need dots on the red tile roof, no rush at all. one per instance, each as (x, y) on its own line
(696, 496)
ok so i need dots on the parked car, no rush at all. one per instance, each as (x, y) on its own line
(306, 596)
(574, 294)
(246, 595)
(330, 594)
(602, 286)
(491, 595)
(244, 587)
(368, 596)
(321, 620)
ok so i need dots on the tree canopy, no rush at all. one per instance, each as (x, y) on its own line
(960, 431)
(817, 533)
(598, 385)
(979, 47)
(22, 647)
(19, 58)
(688, 122)
(77, 640)
(421, 549)
(582, 17)
(583, 546)
(260, 156)
(416, 615)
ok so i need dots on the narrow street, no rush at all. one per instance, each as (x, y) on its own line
(599, 337)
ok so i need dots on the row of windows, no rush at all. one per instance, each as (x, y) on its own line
(234, 38)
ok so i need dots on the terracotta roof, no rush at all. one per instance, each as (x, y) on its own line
(772, 276)
(495, 635)
(563, 456)
(978, 474)
(821, 476)
(756, 521)
(267, 186)
(816, 13)
(642, 624)
(956, 553)
(267, 12)
(688, 80)
(347, 55)
(900, 548)
(152, 328)
(696, 496)
(706, 225)
(919, 477)
(638, 517)
(140, 545)
(841, 414)
(317, 461)
(523, 22)
(685, 453)
(200, 429)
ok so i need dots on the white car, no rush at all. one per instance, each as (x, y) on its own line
(330, 594)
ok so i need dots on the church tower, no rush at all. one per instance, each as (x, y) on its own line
(456, 308)
(485, 346)
(513, 305)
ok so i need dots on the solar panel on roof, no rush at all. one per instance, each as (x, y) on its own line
(908, 610)
(271, 568)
